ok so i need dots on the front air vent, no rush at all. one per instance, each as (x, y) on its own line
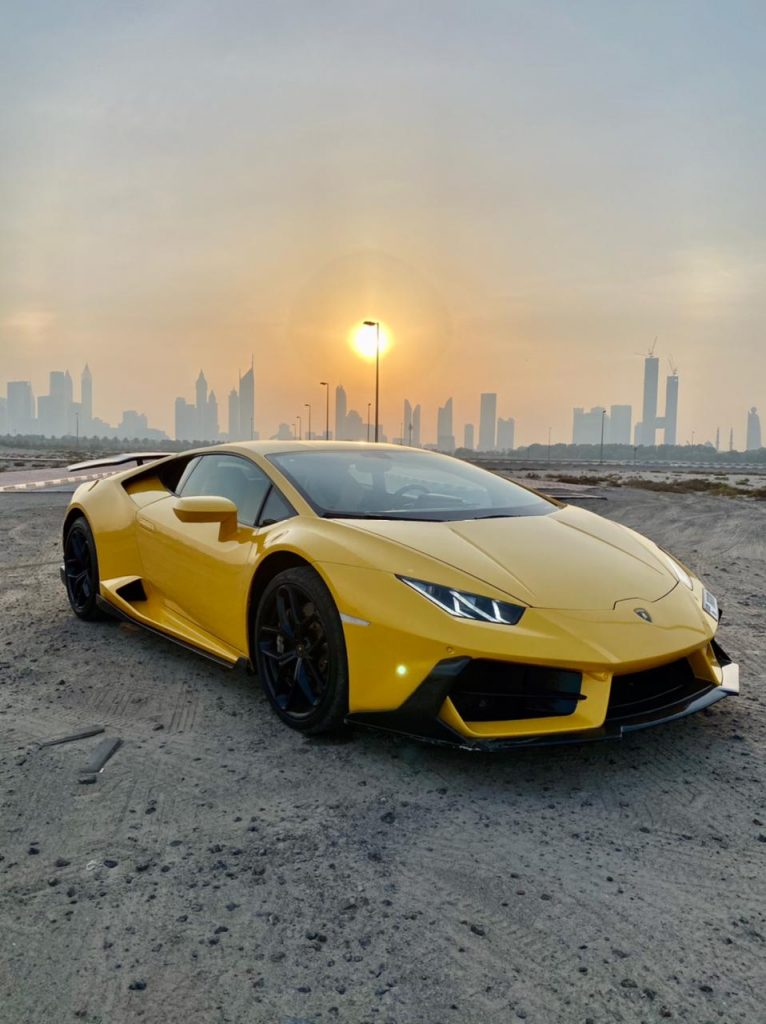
(498, 691)
(642, 693)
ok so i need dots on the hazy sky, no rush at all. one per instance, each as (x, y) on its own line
(525, 192)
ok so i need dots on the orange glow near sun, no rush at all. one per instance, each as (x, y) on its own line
(363, 340)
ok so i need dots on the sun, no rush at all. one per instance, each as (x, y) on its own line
(363, 339)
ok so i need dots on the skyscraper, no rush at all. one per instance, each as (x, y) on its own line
(586, 426)
(340, 413)
(617, 430)
(649, 409)
(416, 426)
(406, 422)
(487, 422)
(506, 430)
(212, 432)
(247, 405)
(21, 407)
(671, 409)
(753, 431)
(468, 436)
(185, 421)
(54, 409)
(234, 415)
(86, 400)
(445, 437)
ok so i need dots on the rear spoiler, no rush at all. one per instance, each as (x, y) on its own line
(119, 460)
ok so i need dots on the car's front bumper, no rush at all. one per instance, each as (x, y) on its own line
(429, 714)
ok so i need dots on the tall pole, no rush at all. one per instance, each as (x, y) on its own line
(549, 444)
(300, 428)
(369, 404)
(308, 406)
(326, 384)
(377, 377)
(376, 325)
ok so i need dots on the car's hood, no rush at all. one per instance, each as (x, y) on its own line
(570, 559)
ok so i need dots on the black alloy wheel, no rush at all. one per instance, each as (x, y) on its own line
(81, 570)
(300, 651)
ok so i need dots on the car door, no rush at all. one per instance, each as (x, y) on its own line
(200, 570)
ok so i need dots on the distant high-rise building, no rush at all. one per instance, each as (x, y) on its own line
(234, 415)
(247, 405)
(200, 405)
(341, 407)
(586, 427)
(468, 436)
(86, 400)
(670, 418)
(406, 422)
(649, 411)
(506, 430)
(355, 427)
(54, 409)
(619, 424)
(731, 440)
(753, 431)
(3, 415)
(445, 437)
(411, 424)
(212, 418)
(416, 426)
(21, 407)
(718, 439)
(185, 421)
(487, 422)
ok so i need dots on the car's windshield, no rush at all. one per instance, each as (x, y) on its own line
(406, 484)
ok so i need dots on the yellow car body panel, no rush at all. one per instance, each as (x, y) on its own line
(581, 580)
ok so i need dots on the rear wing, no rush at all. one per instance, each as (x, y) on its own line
(119, 460)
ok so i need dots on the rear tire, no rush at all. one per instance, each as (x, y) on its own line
(300, 652)
(81, 570)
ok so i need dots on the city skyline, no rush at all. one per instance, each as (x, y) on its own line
(58, 414)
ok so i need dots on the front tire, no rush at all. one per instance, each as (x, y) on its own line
(300, 652)
(81, 570)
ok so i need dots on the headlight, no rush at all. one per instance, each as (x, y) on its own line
(678, 570)
(467, 606)
(710, 604)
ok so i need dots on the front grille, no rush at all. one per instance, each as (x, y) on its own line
(641, 693)
(495, 691)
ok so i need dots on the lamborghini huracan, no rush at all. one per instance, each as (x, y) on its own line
(398, 588)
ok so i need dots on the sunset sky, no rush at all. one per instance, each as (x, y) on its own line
(527, 193)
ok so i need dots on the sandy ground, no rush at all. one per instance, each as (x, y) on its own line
(223, 868)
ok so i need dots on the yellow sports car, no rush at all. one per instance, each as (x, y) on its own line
(398, 588)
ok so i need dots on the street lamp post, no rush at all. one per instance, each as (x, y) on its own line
(300, 428)
(308, 406)
(369, 405)
(549, 444)
(325, 384)
(376, 325)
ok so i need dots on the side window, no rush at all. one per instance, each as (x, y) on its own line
(229, 476)
(275, 509)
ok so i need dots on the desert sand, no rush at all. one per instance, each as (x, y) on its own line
(224, 869)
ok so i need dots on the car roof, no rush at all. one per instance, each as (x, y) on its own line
(286, 447)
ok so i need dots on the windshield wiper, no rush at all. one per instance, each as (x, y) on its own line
(498, 515)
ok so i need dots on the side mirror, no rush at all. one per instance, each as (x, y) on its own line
(206, 508)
